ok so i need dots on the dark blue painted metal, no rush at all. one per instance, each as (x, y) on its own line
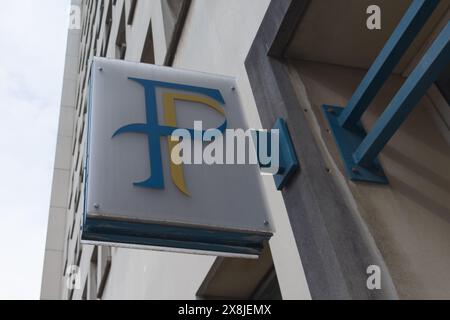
(402, 37)
(287, 162)
(360, 150)
(415, 87)
(154, 130)
(347, 141)
(171, 236)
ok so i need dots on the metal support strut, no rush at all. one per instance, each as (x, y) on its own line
(360, 150)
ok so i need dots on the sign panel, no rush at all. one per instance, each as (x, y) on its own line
(137, 194)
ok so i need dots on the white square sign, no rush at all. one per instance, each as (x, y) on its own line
(136, 194)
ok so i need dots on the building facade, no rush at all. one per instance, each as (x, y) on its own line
(289, 59)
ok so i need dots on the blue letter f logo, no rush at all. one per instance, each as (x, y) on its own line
(209, 97)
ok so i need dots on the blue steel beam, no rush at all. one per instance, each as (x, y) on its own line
(400, 40)
(414, 88)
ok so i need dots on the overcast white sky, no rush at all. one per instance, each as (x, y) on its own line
(33, 39)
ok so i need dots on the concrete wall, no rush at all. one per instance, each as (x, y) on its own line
(52, 277)
(410, 217)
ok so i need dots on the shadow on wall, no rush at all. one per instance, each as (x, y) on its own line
(425, 198)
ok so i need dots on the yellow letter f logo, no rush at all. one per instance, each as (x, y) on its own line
(205, 96)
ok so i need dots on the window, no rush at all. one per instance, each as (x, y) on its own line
(171, 12)
(92, 277)
(102, 9)
(69, 206)
(81, 173)
(84, 295)
(81, 132)
(108, 23)
(174, 13)
(77, 200)
(132, 10)
(148, 55)
(121, 41)
(103, 268)
(72, 227)
(79, 251)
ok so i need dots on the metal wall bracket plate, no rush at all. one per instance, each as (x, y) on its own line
(288, 159)
(287, 163)
(348, 140)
